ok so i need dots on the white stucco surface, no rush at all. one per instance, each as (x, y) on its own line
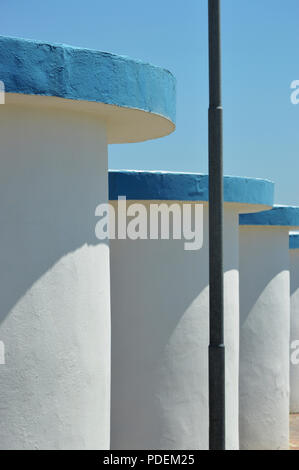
(54, 276)
(294, 272)
(264, 338)
(160, 337)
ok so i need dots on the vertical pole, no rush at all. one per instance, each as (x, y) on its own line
(216, 348)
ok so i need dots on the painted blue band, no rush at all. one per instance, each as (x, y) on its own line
(280, 216)
(37, 68)
(145, 185)
(294, 242)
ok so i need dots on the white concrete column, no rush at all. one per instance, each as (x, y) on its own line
(294, 273)
(55, 301)
(265, 328)
(62, 107)
(160, 319)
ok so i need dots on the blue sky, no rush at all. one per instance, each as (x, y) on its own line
(260, 60)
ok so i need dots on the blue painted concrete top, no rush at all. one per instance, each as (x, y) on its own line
(294, 241)
(38, 68)
(279, 216)
(147, 185)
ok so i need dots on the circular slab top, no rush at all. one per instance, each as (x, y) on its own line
(279, 216)
(294, 241)
(137, 100)
(166, 186)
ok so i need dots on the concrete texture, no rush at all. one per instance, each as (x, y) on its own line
(160, 324)
(171, 186)
(265, 328)
(54, 275)
(63, 105)
(294, 373)
(137, 99)
(264, 338)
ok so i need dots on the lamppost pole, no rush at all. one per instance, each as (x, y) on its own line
(216, 348)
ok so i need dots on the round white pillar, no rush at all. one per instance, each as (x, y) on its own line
(265, 328)
(62, 107)
(294, 274)
(160, 317)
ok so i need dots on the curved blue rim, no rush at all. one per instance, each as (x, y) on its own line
(280, 216)
(147, 185)
(39, 68)
(294, 242)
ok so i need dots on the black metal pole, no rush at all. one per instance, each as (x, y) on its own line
(216, 348)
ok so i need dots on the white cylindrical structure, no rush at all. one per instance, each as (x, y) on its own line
(294, 274)
(160, 316)
(59, 115)
(265, 328)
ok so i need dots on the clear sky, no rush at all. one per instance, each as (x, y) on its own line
(260, 60)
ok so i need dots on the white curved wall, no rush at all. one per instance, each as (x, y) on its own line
(294, 271)
(264, 338)
(54, 277)
(160, 337)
